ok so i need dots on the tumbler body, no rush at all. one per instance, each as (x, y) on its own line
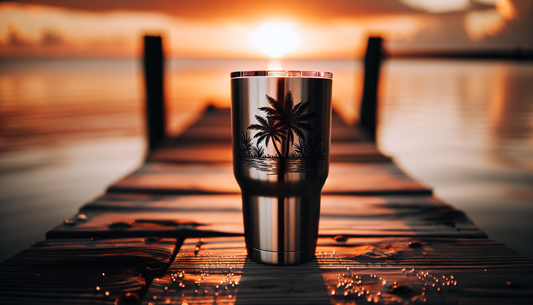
(281, 138)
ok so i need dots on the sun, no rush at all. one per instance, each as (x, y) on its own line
(275, 39)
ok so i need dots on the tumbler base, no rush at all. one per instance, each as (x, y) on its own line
(280, 258)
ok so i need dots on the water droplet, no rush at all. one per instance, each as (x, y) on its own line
(97, 288)
(128, 298)
(230, 296)
(69, 221)
(107, 293)
(195, 291)
(103, 274)
(166, 287)
(167, 301)
(216, 293)
(513, 285)
(340, 238)
(205, 291)
(415, 244)
(155, 297)
(332, 292)
(82, 217)
(151, 240)
(438, 288)
(369, 299)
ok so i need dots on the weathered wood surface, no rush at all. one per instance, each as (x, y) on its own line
(135, 215)
(80, 271)
(350, 271)
(377, 227)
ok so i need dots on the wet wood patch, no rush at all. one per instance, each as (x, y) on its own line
(426, 270)
(350, 271)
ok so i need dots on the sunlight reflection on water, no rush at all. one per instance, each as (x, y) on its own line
(68, 128)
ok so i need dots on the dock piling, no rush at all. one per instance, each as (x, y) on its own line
(368, 119)
(153, 62)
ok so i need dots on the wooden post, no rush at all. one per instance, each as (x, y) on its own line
(153, 61)
(368, 115)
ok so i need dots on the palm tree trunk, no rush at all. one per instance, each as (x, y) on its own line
(289, 133)
(277, 150)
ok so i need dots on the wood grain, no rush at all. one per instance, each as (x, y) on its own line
(82, 271)
(134, 215)
(353, 270)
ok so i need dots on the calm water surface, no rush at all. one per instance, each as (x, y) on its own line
(69, 128)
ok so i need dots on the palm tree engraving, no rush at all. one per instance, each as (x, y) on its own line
(284, 122)
(269, 129)
(290, 117)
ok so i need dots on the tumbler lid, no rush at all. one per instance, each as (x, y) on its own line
(281, 73)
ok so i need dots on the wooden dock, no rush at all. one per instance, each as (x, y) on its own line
(171, 233)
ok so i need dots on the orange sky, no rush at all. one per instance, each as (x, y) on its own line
(223, 29)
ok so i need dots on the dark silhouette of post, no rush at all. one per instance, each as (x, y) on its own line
(153, 61)
(368, 119)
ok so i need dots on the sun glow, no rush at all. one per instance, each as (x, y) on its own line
(275, 39)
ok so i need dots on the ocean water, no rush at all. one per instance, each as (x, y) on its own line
(69, 128)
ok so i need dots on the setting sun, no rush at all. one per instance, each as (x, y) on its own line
(275, 39)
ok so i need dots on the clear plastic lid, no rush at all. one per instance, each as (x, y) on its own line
(281, 73)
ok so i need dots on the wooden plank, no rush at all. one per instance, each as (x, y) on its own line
(84, 271)
(344, 178)
(353, 271)
(208, 140)
(432, 271)
(216, 270)
(141, 215)
(214, 126)
(205, 271)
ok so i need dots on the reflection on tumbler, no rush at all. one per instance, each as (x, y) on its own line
(281, 139)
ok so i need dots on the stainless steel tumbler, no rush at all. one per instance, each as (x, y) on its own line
(281, 136)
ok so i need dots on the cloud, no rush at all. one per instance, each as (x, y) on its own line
(438, 6)
(242, 10)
